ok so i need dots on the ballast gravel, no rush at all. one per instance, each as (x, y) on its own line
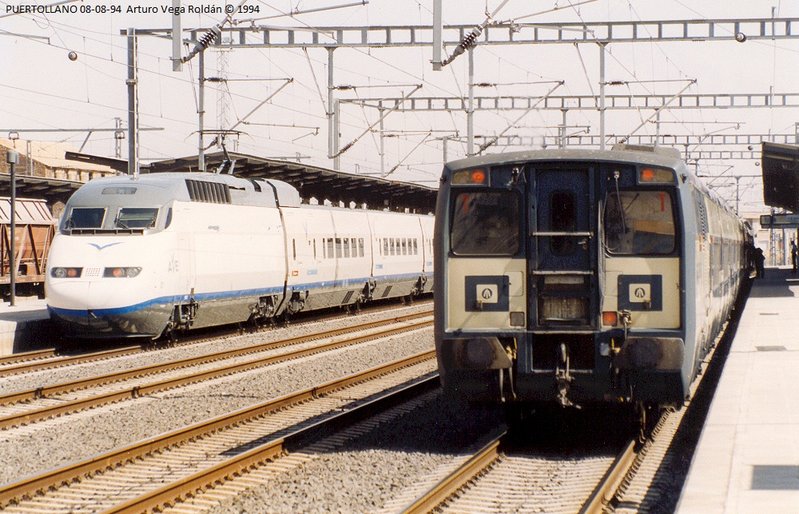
(53, 443)
(370, 473)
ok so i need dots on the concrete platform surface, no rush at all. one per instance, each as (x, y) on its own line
(25, 326)
(747, 460)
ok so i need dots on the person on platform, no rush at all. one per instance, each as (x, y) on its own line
(794, 255)
(760, 261)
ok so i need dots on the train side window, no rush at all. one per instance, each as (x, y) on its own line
(314, 249)
(416, 247)
(354, 246)
(391, 247)
(329, 245)
(294, 249)
(485, 222)
(360, 247)
(404, 246)
(639, 223)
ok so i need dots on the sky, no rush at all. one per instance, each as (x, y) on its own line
(41, 87)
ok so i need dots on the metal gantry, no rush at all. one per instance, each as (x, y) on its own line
(582, 102)
(592, 140)
(251, 35)
(248, 34)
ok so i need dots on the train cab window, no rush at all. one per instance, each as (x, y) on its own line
(639, 223)
(85, 217)
(136, 217)
(485, 223)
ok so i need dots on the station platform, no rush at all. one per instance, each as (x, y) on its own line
(25, 326)
(747, 459)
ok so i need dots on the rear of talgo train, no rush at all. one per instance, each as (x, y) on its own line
(559, 278)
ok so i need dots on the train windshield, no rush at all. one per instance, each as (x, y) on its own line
(485, 223)
(639, 223)
(136, 217)
(85, 217)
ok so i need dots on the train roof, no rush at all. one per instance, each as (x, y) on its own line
(161, 188)
(656, 156)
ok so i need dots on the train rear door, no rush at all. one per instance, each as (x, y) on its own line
(563, 252)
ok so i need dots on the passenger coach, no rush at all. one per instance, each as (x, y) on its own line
(166, 252)
(571, 277)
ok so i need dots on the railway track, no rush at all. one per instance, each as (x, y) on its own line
(8, 360)
(42, 403)
(53, 358)
(162, 470)
(495, 480)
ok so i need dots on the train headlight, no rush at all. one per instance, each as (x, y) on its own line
(66, 272)
(121, 272)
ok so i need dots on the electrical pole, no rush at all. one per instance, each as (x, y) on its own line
(201, 114)
(133, 106)
(12, 158)
(602, 95)
(332, 134)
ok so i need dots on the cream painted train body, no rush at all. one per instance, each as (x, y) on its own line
(577, 277)
(172, 251)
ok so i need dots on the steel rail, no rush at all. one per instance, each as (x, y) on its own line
(65, 475)
(118, 376)
(8, 368)
(67, 360)
(457, 479)
(136, 391)
(26, 356)
(606, 489)
(171, 493)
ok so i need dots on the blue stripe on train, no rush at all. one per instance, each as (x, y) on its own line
(224, 295)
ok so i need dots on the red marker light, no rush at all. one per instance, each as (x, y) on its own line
(647, 175)
(478, 176)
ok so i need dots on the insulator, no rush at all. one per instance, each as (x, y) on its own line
(467, 42)
(209, 37)
(204, 41)
(470, 38)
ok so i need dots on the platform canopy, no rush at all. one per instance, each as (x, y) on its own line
(781, 176)
(316, 182)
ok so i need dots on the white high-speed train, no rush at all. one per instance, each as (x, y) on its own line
(173, 251)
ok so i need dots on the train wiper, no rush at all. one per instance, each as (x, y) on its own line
(616, 175)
